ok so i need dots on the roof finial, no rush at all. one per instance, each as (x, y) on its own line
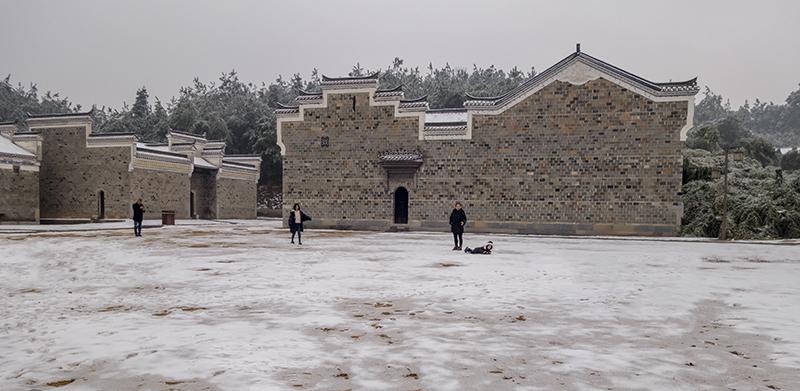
(578, 47)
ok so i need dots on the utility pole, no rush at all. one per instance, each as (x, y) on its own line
(723, 227)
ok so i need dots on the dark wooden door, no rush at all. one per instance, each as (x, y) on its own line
(401, 206)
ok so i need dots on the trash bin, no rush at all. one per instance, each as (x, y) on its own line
(168, 217)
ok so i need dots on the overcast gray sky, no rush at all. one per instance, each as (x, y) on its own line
(102, 51)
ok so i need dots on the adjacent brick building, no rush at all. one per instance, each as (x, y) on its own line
(19, 175)
(71, 173)
(581, 148)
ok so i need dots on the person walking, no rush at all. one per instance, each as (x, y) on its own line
(296, 219)
(458, 218)
(138, 216)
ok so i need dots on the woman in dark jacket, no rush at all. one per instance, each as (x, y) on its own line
(457, 221)
(296, 219)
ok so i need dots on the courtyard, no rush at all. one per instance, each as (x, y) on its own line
(234, 306)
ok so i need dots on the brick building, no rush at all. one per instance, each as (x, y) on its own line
(581, 148)
(71, 173)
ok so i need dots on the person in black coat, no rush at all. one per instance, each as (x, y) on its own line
(457, 221)
(296, 219)
(138, 216)
(487, 249)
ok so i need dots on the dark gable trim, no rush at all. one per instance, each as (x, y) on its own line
(83, 114)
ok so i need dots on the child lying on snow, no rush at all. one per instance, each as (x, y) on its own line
(487, 249)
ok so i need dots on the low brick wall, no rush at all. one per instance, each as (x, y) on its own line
(161, 191)
(236, 199)
(19, 195)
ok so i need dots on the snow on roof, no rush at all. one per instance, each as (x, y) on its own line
(7, 147)
(445, 116)
(203, 163)
(158, 147)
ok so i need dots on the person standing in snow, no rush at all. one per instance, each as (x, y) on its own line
(458, 218)
(138, 216)
(296, 219)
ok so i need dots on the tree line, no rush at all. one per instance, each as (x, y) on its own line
(242, 113)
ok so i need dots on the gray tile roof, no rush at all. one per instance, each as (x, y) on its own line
(682, 88)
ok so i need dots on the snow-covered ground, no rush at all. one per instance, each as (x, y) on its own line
(236, 307)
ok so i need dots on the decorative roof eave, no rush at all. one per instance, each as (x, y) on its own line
(162, 152)
(228, 165)
(253, 160)
(398, 88)
(400, 156)
(179, 134)
(599, 68)
(158, 155)
(59, 120)
(27, 159)
(437, 125)
(13, 150)
(304, 97)
(373, 76)
(112, 135)
(28, 136)
(395, 93)
(369, 81)
(286, 109)
(60, 115)
(418, 104)
(400, 162)
(302, 92)
(389, 93)
(28, 133)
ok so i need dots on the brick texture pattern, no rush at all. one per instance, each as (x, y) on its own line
(236, 198)
(160, 191)
(71, 176)
(574, 159)
(19, 195)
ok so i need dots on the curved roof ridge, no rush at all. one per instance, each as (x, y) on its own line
(422, 98)
(303, 92)
(285, 107)
(398, 88)
(374, 75)
(497, 97)
(47, 115)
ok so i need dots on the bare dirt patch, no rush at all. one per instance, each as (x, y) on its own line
(60, 383)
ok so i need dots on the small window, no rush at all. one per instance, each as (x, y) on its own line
(15, 168)
(325, 142)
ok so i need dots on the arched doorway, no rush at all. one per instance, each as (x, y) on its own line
(101, 204)
(401, 206)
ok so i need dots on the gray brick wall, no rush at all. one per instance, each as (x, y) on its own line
(236, 199)
(591, 158)
(19, 195)
(161, 191)
(71, 176)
